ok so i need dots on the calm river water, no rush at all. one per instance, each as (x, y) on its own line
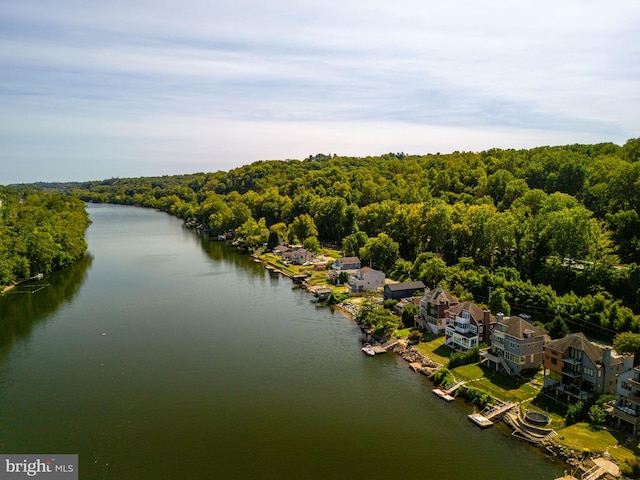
(164, 355)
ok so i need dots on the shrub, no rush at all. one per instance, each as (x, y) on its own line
(631, 469)
(414, 337)
(578, 412)
(464, 358)
(475, 395)
(443, 377)
(389, 304)
(336, 298)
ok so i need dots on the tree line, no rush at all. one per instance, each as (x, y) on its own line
(39, 232)
(549, 230)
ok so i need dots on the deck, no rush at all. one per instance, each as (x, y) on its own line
(485, 418)
(480, 420)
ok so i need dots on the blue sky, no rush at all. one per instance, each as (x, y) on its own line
(93, 90)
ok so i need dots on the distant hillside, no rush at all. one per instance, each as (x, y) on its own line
(563, 216)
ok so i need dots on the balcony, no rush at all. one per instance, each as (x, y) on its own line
(571, 373)
(635, 382)
(573, 391)
(572, 361)
(627, 414)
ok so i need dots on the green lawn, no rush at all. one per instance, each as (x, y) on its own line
(579, 437)
(435, 350)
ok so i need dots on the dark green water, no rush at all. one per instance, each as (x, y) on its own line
(167, 356)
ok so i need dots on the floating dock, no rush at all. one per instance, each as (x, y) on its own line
(480, 420)
(442, 393)
(485, 418)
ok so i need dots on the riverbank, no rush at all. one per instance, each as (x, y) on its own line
(8, 288)
(421, 363)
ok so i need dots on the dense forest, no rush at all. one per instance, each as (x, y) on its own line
(551, 231)
(39, 232)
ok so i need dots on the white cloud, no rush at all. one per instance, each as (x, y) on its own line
(128, 78)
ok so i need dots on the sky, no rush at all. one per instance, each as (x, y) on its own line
(94, 90)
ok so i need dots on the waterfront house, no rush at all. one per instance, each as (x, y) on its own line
(400, 290)
(297, 255)
(576, 369)
(346, 263)
(433, 306)
(467, 326)
(280, 249)
(351, 265)
(516, 345)
(399, 307)
(366, 279)
(626, 409)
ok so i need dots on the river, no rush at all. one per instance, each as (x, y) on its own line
(164, 355)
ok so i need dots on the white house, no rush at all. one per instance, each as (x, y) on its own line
(366, 280)
(351, 265)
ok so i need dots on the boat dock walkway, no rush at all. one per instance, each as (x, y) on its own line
(385, 347)
(485, 418)
(449, 389)
(495, 411)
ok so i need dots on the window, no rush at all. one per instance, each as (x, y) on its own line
(554, 361)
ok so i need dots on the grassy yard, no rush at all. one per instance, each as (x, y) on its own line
(502, 387)
(315, 277)
(435, 350)
(580, 437)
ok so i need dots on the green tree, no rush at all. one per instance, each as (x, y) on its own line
(557, 328)
(351, 244)
(302, 227)
(597, 417)
(312, 244)
(628, 343)
(381, 252)
(408, 315)
(252, 234)
(498, 302)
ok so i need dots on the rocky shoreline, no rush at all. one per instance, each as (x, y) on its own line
(578, 462)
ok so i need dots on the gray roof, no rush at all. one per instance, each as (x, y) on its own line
(440, 295)
(517, 326)
(348, 260)
(394, 287)
(476, 312)
(579, 342)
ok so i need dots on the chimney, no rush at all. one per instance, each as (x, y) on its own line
(606, 356)
(486, 331)
(499, 317)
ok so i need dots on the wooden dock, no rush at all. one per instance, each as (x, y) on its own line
(485, 418)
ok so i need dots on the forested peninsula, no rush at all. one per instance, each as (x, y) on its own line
(39, 232)
(553, 232)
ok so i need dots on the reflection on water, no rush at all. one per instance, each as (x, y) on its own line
(180, 359)
(35, 300)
